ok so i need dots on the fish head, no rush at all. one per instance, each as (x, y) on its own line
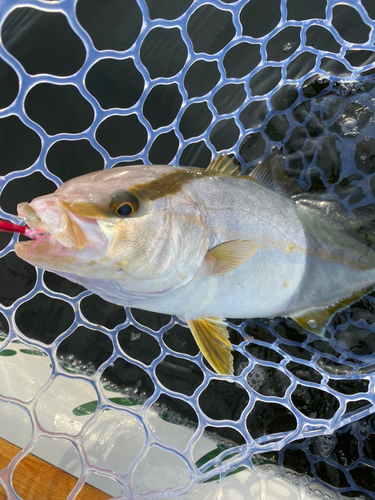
(135, 227)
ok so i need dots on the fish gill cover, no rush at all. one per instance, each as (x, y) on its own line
(86, 86)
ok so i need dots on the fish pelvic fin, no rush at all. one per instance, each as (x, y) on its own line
(225, 257)
(223, 164)
(316, 320)
(212, 337)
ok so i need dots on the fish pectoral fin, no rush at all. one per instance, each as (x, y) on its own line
(227, 256)
(316, 320)
(212, 337)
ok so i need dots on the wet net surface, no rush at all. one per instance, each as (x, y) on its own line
(85, 87)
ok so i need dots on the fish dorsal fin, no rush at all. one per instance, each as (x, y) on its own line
(212, 337)
(226, 257)
(223, 164)
(316, 320)
(272, 174)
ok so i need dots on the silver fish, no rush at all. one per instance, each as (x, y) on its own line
(202, 244)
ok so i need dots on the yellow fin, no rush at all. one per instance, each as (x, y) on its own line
(223, 164)
(316, 320)
(227, 256)
(211, 335)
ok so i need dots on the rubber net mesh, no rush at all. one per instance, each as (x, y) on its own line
(125, 395)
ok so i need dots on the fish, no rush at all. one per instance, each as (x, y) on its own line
(203, 245)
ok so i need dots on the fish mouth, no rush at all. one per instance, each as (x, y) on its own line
(32, 220)
(57, 232)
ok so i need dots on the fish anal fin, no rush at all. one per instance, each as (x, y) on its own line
(223, 164)
(211, 335)
(272, 174)
(226, 257)
(316, 320)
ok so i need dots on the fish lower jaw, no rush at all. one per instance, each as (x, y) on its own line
(40, 248)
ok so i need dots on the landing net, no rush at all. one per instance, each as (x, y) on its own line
(125, 396)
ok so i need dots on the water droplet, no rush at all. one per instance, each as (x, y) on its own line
(316, 494)
(312, 323)
(304, 479)
(349, 127)
(135, 336)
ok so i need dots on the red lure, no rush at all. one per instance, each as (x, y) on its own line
(8, 227)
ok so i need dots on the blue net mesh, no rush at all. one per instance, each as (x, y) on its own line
(88, 85)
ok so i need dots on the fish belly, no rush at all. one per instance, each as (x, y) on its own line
(305, 261)
(263, 286)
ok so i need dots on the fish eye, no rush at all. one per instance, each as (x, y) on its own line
(124, 204)
(125, 209)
